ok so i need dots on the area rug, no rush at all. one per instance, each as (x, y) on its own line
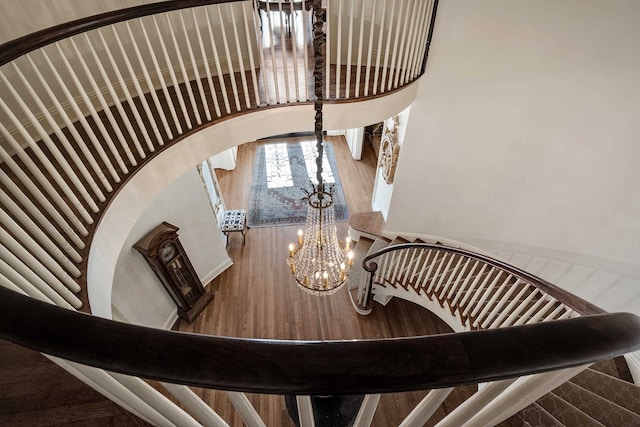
(281, 171)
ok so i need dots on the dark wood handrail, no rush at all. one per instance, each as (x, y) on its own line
(15, 48)
(576, 303)
(316, 367)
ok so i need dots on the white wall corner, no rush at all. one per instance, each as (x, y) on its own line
(216, 271)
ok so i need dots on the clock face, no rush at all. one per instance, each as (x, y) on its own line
(167, 252)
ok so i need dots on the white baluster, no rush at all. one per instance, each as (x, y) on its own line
(474, 286)
(183, 71)
(44, 249)
(243, 77)
(339, 50)
(116, 101)
(448, 257)
(107, 112)
(505, 299)
(367, 410)
(152, 91)
(459, 290)
(487, 291)
(419, 264)
(53, 149)
(507, 311)
(41, 219)
(327, 60)
(520, 395)
(423, 273)
(444, 273)
(305, 411)
(294, 37)
(163, 83)
(359, 61)
(172, 75)
(379, 50)
(487, 309)
(252, 65)
(273, 55)
(80, 115)
(527, 316)
(392, 20)
(285, 62)
(71, 152)
(568, 314)
(475, 403)
(43, 200)
(205, 62)
(348, 73)
(196, 406)
(229, 59)
(372, 26)
(423, 41)
(417, 44)
(554, 313)
(426, 408)
(216, 57)
(519, 309)
(245, 409)
(35, 170)
(39, 277)
(156, 400)
(194, 65)
(141, 96)
(257, 24)
(393, 64)
(17, 282)
(540, 313)
(32, 254)
(481, 291)
(404, 44)
(33, 228)
(127, 95)
(113, 388)
(454, 277)
(306, 53)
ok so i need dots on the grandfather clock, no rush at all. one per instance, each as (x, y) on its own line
(166, 256)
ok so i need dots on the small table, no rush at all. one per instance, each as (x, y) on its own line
(234, 221)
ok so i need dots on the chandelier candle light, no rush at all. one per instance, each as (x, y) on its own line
(319, 263)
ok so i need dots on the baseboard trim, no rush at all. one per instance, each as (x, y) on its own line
(171, 319)
(216, 271)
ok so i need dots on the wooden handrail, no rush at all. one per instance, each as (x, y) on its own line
(576, 303)
(13, 49)
(316, 367)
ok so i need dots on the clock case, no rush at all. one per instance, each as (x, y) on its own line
(164, 253)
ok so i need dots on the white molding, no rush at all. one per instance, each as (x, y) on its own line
(633, 361)
(171, 319)
(215, 272)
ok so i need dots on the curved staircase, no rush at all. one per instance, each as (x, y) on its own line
(479, 295)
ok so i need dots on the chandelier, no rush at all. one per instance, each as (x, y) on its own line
(319, 263)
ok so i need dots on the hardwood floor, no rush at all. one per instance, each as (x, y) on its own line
(258, 298)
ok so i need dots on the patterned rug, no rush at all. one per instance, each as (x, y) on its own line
(281, 171)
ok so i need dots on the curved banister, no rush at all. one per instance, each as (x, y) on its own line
(13, 49)
(576, 303)
(316, 367)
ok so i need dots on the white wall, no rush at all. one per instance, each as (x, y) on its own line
(526, 128)
(138, 294)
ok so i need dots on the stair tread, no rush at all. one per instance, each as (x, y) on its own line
(536, 416)
(611, 388)
(566, 413)
(359, 252)
(599, 408)
(379, 243)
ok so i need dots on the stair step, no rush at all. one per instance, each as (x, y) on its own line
(378, 244)
(614, 389)
(601, 409)
(359, 252)
(536, 416)
(566, 413)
